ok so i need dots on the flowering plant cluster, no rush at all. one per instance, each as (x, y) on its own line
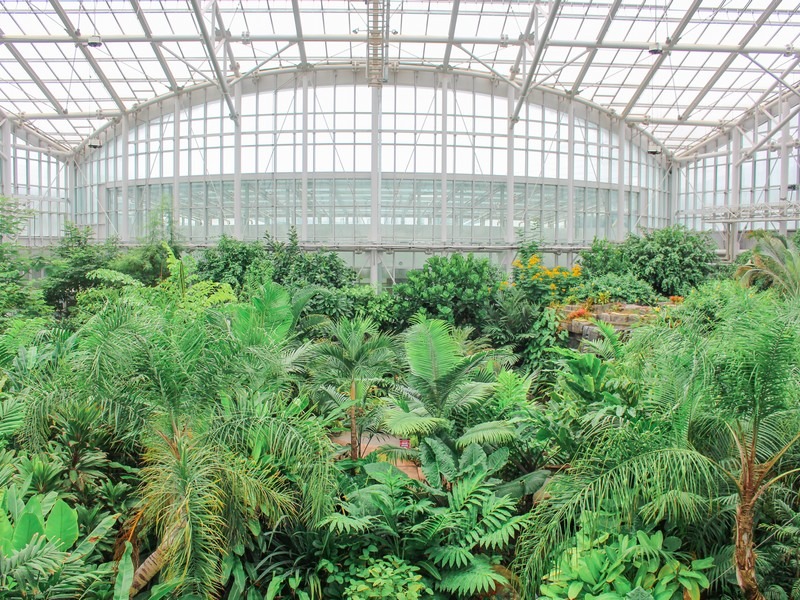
(538, 282)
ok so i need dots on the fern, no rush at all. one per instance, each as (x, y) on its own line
(12, 416)
(480, 577)
(451, 557)
(405, 423)
(37, 561)
(340, 523)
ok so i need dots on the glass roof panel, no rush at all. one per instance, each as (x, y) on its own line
(619, 69)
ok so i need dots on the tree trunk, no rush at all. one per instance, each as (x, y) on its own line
(744, 554)
(153, 563)
(355, 450)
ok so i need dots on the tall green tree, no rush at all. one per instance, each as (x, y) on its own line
(354, 357)
(75, 256)
(19, 298)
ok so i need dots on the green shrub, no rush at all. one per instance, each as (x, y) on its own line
(642, 566)
(75, 256)
(603, 257)
(228, 261)
(672, 260)
(456, 289)
(613, 287)
(387, 577)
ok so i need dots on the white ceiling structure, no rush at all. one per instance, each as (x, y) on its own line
(681, 69)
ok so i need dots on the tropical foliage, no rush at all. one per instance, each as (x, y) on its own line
(672, 260)
(249, 422)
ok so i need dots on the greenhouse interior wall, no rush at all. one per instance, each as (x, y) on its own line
(431, 162)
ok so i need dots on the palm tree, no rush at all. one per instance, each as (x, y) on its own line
(354, 357)
(208, 402)
(723, 417)
(445, 377)
(775, 260)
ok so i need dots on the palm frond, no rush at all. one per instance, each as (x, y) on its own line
(494, 433)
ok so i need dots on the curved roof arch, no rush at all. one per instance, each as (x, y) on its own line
(682, 70)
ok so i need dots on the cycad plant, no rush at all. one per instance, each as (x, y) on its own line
(775, 262)
(442, 380)
(722, 421)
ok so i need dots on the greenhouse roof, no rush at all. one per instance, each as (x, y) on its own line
(682, 69)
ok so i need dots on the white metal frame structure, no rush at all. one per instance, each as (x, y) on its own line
(394, 126)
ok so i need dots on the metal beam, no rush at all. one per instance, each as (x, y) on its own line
(695, 148)
(263, 62)
(238, 219)
(541, 44)
(768, 136)
(523, 41)
(5, 158)
(190, 66)
(226, 36)
(622, 129)
(73, 33)
(602, 34)
(34, 77)
(729, 61)
(673, 40)
(44, 139)
(173, 84)
(300, 40)
(411, 38)
(451, 33)
(124, 217)
(489, 67)
(212, 57)
(771, 74)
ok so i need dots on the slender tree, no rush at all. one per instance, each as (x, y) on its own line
(354, 357)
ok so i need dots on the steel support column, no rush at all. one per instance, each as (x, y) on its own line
(510, 204)
(661, 58)
(124, 229)
(82, 45)
(786, 149)
(620, 233)
(237, 164)
(304, 175)
(541, 44)
(222, 80)
(672, 198)
(375, 183)
(5, 158)
(443, 178)
(176, 166)
(570, 173)
(723, 68)
(735, 183)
